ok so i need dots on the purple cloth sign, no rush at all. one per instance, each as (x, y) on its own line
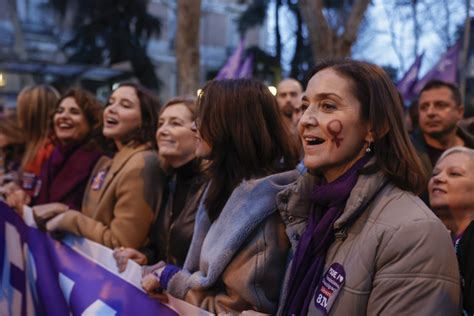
(237, 66)
(406, 84)
(446, 68)
(246, 70)
(42, 276)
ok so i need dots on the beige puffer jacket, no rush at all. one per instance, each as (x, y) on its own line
(397, 256)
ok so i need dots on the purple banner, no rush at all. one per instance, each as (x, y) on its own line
(406, 84)
(446, 68)
(42, 276)
(246, 70)
(232, 67)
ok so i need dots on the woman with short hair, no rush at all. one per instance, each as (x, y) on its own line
(171, 232)
(451, 191)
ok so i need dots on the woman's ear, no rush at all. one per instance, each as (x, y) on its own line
(369, 138)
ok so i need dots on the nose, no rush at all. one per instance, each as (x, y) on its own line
(162, 129)
(308, 118)
(62, 114)
(431, 110)
(194, 127)
(110, 108)
(438, 178)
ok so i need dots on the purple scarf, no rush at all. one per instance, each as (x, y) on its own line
(65, 174)
(329, 200)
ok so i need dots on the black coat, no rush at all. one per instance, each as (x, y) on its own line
(465, 253)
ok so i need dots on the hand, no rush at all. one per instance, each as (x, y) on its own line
(16, 199)
(150, 283)
(122, 255)
(43, 213)
(150, 269)
(54, 224)
(159, 296)
(10, 187)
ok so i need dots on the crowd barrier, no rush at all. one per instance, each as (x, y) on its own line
(75, 276)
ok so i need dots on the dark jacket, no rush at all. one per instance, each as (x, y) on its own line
(65, 174)
(172, 230)
(420, 145)
(465, 253)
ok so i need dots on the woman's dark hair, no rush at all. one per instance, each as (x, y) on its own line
(381, 109)
(149, 107)
(241, 121)
(92, 109)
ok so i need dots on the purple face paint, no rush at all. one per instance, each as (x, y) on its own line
(335, 128)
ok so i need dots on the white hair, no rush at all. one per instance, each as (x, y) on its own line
(457, 149)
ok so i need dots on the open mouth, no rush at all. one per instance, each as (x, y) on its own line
(313, 140)
(64, 125)
(165, 141)
(111, 121)
(437, 191)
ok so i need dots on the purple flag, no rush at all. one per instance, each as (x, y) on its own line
(231, 68)
(246, 69)
(406, 84)
(445, 69)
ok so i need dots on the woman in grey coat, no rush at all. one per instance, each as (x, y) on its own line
(362, 242)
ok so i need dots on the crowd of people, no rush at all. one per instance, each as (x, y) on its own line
(316, 201)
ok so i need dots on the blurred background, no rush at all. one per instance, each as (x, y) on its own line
(174, 47)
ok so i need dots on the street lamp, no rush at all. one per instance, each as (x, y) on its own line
(3, 80)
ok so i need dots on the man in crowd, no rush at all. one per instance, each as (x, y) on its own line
(440, 109)
(289, 93)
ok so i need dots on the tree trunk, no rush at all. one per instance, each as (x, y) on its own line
(299, 46)
(277, 34)
(325, 42)
(187, 47)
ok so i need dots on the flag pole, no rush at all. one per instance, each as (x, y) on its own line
(465, 50)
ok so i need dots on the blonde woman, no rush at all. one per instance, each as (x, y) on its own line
(451, 190)
(35, 107)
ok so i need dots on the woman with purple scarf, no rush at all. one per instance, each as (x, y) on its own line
(363, 243)
(77, 125)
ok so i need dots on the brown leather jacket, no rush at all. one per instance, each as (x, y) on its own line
(172, 230)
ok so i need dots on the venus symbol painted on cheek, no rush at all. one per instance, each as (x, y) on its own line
(335, 128)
